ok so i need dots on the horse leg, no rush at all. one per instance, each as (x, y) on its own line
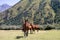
(27, 33)
(34, 30)
(37, 29)
(31, 31)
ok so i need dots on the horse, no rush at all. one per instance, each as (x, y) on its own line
(29, 26)
(26, 27)
(35, 27)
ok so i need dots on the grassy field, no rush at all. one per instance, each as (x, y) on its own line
(41, 35)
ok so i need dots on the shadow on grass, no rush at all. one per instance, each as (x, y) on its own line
(18, 37)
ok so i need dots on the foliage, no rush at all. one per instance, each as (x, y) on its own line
(40, 12)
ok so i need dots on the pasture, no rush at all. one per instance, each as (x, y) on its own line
(41, 35)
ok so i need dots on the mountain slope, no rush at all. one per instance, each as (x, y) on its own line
(37, 11)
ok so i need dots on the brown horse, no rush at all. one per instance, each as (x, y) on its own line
(35, 27)
(26, 27)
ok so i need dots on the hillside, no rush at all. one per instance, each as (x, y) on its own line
(37, 11)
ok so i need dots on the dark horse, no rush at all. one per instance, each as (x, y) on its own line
(26, 27)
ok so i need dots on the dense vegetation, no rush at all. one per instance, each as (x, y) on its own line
(42, 12)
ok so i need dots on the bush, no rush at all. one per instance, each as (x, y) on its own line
(49, 27)
(57, 26)
(10, 27)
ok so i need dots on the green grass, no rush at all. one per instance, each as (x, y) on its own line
(41, 35)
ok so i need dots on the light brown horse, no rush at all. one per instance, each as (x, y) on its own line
(35, 27)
